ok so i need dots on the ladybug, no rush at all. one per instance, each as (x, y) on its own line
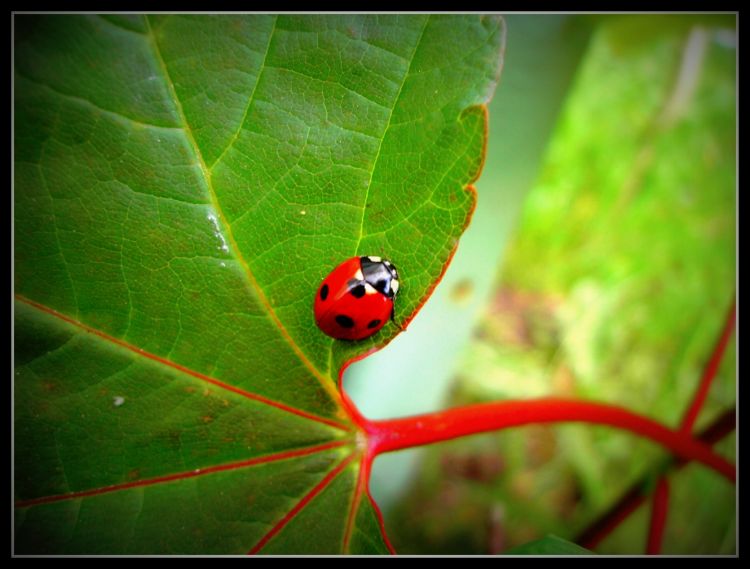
(356, 299)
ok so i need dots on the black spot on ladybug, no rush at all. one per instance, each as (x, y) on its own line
(324, 292)
(373, 323)
(344, 321)
(358, 291)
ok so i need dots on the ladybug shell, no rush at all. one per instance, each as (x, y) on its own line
(347, 307)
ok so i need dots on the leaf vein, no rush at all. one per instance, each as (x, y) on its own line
(56, 231)
(291, 514)
(118, 116)
(327, 385)
(385, 132)
(250, 99)
(140, 484)
(328, 81)
(119, 26)
(377, 158)
(180, 368)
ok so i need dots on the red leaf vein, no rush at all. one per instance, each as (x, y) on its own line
(183, 369)
(284, 455)
(317, 489)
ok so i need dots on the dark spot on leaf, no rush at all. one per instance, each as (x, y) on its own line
(344, 321)
(373, 323)
(358, 291)
(324, 292)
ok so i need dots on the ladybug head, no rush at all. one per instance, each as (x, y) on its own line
(380, 274)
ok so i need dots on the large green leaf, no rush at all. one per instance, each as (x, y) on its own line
(182, 185)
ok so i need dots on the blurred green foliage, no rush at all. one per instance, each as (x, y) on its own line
(614, 289)
(549, 545)
(415, 373)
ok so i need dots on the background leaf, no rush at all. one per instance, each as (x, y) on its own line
(182, 185)
(549, 545)
(540, 61)
(614, 288)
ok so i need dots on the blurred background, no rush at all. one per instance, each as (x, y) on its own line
(599, 265)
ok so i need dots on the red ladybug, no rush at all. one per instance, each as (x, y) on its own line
(356, 299)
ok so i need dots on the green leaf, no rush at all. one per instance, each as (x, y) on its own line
(182, 184)
(549, 545)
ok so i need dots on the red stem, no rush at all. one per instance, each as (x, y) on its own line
(595, 533)
(397, 434)
(709, 372)
(659, 512)
(628, 503)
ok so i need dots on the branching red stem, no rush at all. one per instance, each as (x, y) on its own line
(709, 372)
(634, 496)
(396, 434)
(659, 512)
